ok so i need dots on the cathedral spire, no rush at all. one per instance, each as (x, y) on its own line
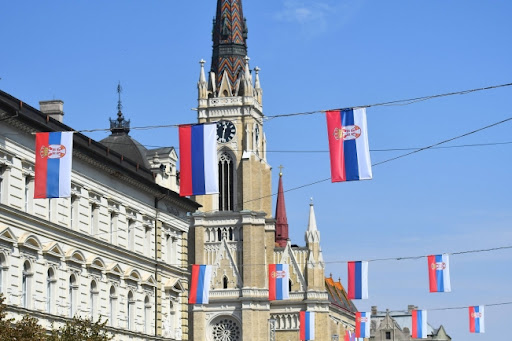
(281, 219)
(229, 42)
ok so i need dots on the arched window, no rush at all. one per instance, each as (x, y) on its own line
(225, 282)
(226, 182)
(27, 193)
(26, 284)
(72, 299)
(3, 269)
(93, 294)
(130, 310)
(113, 231)
(50, 283)
(112, 305)
(94, 219)
(289, 285)
(72, 215)
(147, 314)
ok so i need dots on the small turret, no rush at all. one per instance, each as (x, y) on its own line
(202, 86)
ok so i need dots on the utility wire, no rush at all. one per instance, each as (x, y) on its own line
(460, 308)
(400, 102)
(269, 117)
(394, 158)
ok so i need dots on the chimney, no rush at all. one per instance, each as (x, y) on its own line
(374, 310)
(54, 108)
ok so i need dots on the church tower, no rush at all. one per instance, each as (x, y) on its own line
(233, 232)
(232, 97)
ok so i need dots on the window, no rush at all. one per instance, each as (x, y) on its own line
(130, 311)
(72, 288)
(26, 284)
(3, 271)
(113, 228)
(93, 222)
(112, 305)
(225, 282)
(72, 212)
(226, 182)
(50, 283)
(147, 314)
(93, 294)
(289, 285)
(388, 335)
(131, 235)
(2, 182)
(28, 193)
(147, 241)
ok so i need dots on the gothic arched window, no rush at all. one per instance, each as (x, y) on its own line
(225, 282)
(226, 182)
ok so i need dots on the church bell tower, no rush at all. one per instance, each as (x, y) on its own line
(232, 97)
(233, 231)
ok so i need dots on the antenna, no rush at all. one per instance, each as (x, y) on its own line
(119, 105)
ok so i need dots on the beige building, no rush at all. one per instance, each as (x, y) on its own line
(235, 231)
(397, 326)
(116, 249)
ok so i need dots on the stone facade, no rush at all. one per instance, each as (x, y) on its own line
(397, 325)
(116, 249)
(235, 231)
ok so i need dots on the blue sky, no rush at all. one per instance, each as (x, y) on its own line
(318, 55)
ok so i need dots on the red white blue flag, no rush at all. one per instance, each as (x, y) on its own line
(53, 165)
(200, 284)
(198, 160)
(350, 336)
(419, 324)
(358, 280)
(307, 325)
(476, 319)
(348, 145)
(278, 282)
(363, 324)
(439, 273)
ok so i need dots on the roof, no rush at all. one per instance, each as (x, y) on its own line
(120, 166)
(338, 296)
(130, 148)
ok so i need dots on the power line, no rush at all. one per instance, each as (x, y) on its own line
(394, 158)
(269, 117)
(400, 102)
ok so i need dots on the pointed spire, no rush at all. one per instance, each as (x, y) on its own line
(202, 86)
(229, 41)
(257, 86)
(248, 89)
(120, 125)
(281, 219)
(312, 219)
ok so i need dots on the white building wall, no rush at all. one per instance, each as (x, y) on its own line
(61, 234)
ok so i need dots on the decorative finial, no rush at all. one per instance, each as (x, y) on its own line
(281, 170)
(311, 201)
(119, 105)
(331, 275)
(247, 59)
(257, 70)
(202, 61)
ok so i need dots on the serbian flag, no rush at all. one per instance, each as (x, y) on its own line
(53, 165)
(348, 145)
(363, 324)
(198, 160)
(349, 336)
(419, 324)
(307, 325)
(476, 319)
(278, 279)
(358, 280)
(439, 273)
(200, 284)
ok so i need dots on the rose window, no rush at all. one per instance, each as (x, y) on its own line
(226, 329)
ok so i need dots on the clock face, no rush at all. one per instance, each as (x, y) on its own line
(226, 130)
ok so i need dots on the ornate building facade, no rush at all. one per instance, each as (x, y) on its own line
(397, 325)
(116, 250)
(235, 231)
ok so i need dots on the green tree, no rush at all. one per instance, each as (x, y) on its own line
(80, 329)
(26, 329)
